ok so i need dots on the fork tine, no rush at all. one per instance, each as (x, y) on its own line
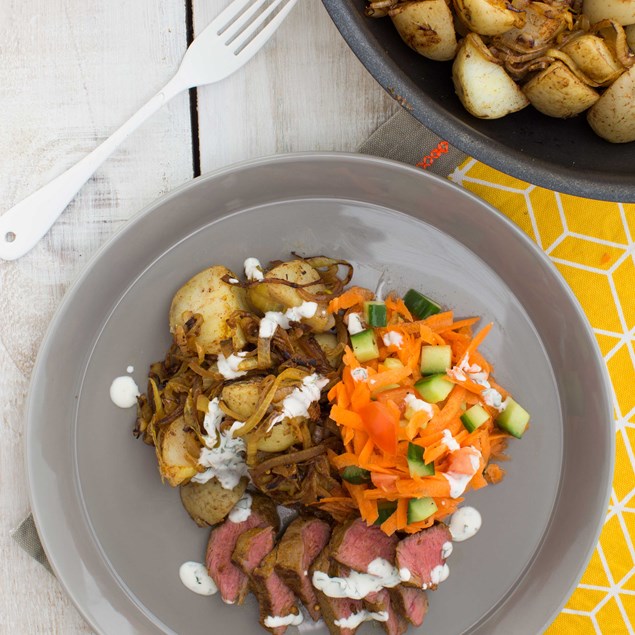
(221, 21)
(235, 27)
(256, 44)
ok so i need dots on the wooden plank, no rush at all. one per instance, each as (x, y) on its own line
(305, 90)
(72, 72)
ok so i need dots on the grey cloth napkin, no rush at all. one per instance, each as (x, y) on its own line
(401, 138)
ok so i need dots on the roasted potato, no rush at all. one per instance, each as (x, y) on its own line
(280, 297)
(594, 58)
(489, 17)
(427, 26)
(558, 92)
(622, 11)
(328, 343)
(613, 115)
(482, 84)
(215, 300)
(242, 397)
(209, 503)
(178, 450)
(281, 437)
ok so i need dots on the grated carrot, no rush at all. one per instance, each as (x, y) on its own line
(428, 427)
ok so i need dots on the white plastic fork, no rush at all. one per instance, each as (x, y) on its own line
(228, 43)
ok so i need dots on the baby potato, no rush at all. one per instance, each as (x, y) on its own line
(215, 300)
(178, 451)
(488, 17)
(281, 437)
(594, 58)
(482, 84)
(427, 27)
(613, 115)
(209, 503)
(242, 397)
(558, 92)
(622, 11)
(328, 343)
(280, 297)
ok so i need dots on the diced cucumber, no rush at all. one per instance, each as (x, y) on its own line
(434, 388)
(365, 345)
(392, 362)
(419, 305)
(513, 419)
(435, 359)
(416, 464)
(355, 475)
(386, 509)
(375, 313)
(420, 508)
(474, 417)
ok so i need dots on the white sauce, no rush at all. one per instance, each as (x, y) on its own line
(414, 404)
(232, 281)
(450, 442)
(404, 574)
(355, 619)
(458, 482)
(392, 338)
(228, 366)
(456, 373)
(241, 511)
(359, 374)
(465, 523)
(490, 396)
(286, 620)
(439, 574)
(212, 421)
(298, 402)
(124, 392)
(357, 586)
(446, 550)
(195, 577)
(224, 456)
(274, 319)
(253, 269)
(354, 323)
(130, 369)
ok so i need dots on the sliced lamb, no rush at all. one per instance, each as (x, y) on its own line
(381, 601)
(356, 545)
(232, 583)
(412, 603)
(252, 547)
(301, 543)
(420, 557)
(333, 609)
(274, 596)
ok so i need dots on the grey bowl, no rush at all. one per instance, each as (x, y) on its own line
(116, 536)
(561, 155)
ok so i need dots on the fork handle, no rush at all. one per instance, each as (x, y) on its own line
(26, 223)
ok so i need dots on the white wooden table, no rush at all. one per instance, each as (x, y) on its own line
(70, 72)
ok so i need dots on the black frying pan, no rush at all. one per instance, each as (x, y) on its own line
(562, 155)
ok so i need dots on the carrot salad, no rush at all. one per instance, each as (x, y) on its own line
(410, 453)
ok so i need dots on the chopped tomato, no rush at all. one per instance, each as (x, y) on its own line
(461, 461)
(380, 425)
(385, 482)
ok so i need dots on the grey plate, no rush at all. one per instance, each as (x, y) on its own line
(116, 537)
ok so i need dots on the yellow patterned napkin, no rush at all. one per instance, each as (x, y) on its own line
(592, 244)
